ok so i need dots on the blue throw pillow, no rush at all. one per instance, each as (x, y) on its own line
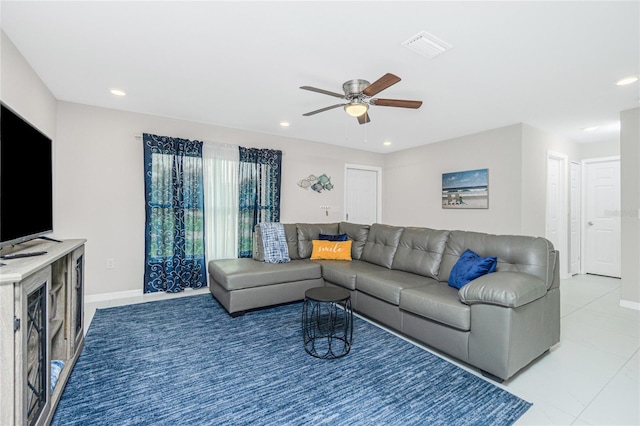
(469, 267)
(327, 237)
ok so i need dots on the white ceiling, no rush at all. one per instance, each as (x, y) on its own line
(552, 65)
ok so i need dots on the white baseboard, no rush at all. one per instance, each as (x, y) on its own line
(145, 297)
(102, 297)
(630, 305)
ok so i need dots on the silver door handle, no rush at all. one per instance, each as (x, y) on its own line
(590, 223)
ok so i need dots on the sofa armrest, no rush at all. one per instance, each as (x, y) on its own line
(508, 289)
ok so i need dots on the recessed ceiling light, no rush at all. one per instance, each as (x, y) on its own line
(590, 129)
(118, 92)
(285, 124)
(386, 143)
(627, 80)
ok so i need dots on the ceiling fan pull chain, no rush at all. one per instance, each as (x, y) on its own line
(365, 133)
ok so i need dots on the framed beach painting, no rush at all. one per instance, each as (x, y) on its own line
(466, 190)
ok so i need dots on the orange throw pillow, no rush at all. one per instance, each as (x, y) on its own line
(331, 250)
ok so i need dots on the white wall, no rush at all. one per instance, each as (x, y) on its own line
(23, 91)
(599, 149)
(516, 157)
(412, 182)
(536, 145)
(101, 187)
(630, 207)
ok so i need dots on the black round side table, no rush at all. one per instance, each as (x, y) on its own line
(327, 322)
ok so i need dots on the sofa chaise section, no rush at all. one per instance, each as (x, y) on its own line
(244, 284)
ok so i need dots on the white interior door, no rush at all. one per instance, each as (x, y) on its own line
(556, 211)
(362, 194)
(574, 220)
(603, 239)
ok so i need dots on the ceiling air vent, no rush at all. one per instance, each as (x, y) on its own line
(427, 45)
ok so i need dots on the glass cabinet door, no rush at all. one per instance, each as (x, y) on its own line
(36, 329)
(32, 356)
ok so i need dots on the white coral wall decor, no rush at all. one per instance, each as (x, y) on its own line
(317, 183)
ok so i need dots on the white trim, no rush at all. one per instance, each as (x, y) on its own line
(630, 305)
(564, 209)
(583, 217)
(102, 297)
(377, 169)
(581, 221)
(142, 297)
(601, 159)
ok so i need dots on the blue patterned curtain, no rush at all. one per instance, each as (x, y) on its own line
(259, 177)
(174, 229)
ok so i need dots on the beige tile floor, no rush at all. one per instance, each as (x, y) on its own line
(592, 377)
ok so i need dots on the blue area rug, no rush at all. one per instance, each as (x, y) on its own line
(186, 362)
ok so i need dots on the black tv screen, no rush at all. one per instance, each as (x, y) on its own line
(26, 200)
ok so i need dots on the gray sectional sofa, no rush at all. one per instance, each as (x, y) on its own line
(498, 323)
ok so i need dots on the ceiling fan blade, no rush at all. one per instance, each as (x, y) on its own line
(324, 92)
(396, 103)
(380, 84)
(322, 110)
(364, 118)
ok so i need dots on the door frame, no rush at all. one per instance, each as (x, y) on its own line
(563, 229)
(583, 207)
(580, 193)
(376, 169)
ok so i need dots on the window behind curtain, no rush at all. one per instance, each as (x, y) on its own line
(220, 169)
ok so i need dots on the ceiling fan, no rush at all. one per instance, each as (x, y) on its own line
(358, 95)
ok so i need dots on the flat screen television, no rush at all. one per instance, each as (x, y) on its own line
(26, 180)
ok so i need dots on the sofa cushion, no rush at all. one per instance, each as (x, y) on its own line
(420, 251)
(387, 284)
(358, 233)
(331, 250)
(235, 274)
(437, 302)
(291, 233)
(307, 232)
(344, 273)
(381, 244)
(515, 253)
(469, 267)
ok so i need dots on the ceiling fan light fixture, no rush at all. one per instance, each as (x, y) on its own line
(356, 108)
